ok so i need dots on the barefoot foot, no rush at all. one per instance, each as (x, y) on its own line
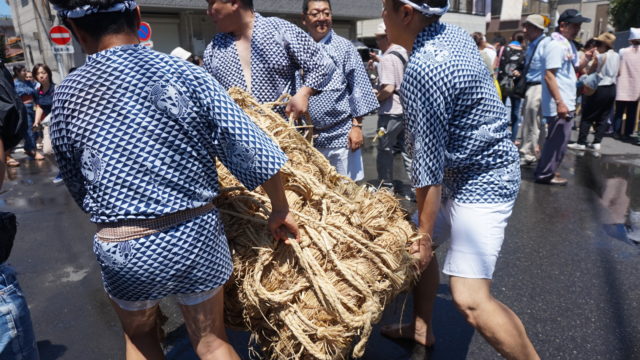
(409, 332)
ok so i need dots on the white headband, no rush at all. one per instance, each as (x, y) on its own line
(427, 10)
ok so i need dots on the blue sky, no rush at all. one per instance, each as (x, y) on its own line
(4, 8)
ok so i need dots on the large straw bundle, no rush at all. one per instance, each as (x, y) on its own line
(317, 298)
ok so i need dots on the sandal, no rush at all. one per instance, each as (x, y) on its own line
(35, 155)
(11, 162)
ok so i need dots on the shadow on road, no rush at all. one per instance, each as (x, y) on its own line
(49, 351)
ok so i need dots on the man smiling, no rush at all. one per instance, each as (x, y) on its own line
(262, 55)
(338, 111)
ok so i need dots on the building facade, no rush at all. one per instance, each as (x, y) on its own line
(173, 23)
(471, 15)
(497, 29)
(597, 11)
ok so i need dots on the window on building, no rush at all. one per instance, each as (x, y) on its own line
(24, 3)
(476, 7)
(496, 7)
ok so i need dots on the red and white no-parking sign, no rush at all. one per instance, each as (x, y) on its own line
(144, 34)
(144, 31)
(60, 35)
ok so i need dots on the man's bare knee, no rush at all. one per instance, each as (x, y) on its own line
(467, 305)
(139, 323)
(469, 296)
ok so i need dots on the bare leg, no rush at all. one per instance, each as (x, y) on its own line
(140, 333)
(494, 320)
(424, 295)
(205, 324)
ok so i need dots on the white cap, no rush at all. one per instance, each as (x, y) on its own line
(634, 34)
(381, 30)
(181, 53)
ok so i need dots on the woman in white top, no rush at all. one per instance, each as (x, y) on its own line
(597, 107)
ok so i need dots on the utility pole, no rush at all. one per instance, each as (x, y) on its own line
(553, 9)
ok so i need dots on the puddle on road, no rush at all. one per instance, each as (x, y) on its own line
(616, 181)
(70, 274)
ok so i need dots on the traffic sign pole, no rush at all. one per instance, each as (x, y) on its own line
(61, 38)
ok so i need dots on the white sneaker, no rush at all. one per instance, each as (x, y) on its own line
(576, 146)
(594, 147)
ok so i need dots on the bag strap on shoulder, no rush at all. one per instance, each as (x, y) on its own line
(399, 56)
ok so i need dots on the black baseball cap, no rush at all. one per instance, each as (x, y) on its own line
(572, 16)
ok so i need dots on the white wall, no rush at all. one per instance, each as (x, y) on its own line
(471, 23)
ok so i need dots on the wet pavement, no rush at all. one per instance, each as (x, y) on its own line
(569, 268)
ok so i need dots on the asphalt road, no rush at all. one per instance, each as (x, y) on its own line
(566, 269)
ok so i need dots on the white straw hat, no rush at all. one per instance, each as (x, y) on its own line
(381, 30)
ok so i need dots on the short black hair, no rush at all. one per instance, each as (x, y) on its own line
(247, 3)
(17, 70)
(100, 24)
(478, 38)
(305, 4)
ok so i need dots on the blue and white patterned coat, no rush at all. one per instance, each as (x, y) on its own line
(278, 50)
(346, 97)
(136, 134)
(457, 127)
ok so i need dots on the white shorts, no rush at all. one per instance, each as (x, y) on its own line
(476, 232)
(183, 299)
(346, 162)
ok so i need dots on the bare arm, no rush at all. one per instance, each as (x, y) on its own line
(355, 138)
(2, 166)
(552, 84)
(281, 221)
(39, 116)
(385, 92)
(428, 199)
(594, 66)
(299, 103)
(585, 60)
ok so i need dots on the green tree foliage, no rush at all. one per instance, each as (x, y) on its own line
(625, 14)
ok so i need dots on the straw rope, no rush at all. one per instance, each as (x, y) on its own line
(317, 299)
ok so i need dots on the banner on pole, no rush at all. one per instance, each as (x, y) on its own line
(511, 10)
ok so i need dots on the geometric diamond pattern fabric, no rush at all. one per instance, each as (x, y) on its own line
(457, 127)
(347, 96)
(166, 263)
(136, 134)
(278, 50)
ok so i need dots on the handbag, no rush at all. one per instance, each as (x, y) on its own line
(8, 228)
(590, 82)
(520, 86)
